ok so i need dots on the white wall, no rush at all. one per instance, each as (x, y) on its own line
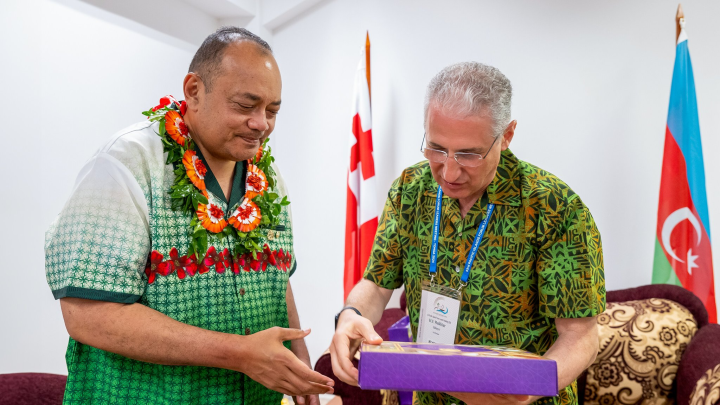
(592, 85)
(70, 80)
(591, 82)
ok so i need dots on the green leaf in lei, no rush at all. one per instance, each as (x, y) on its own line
(186, 197)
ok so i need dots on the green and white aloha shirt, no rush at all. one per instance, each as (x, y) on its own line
(100, 246)
(541, 258)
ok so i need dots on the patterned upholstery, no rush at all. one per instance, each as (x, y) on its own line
(707, 390)
(656, 348)
(641, 343)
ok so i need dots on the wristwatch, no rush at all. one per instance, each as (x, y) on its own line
(341, 311)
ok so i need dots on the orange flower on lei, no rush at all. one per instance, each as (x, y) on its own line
(256, 182)
(246, 217)
(258, 155)
(212, 217)
(195, 169)
(176, 128)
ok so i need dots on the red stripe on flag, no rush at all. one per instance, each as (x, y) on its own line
(681, 233)
(352, 261)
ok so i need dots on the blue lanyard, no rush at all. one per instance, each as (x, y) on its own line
(476, 242)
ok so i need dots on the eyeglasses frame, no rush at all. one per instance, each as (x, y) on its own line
(422, 150)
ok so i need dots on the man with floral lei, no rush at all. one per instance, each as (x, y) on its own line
(172, 257)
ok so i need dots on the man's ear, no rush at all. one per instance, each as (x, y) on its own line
(192, 87)
(508, 135)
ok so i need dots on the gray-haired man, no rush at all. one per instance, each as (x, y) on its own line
(536, 281)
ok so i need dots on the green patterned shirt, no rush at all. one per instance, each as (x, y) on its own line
(116, 224)
(541, 258)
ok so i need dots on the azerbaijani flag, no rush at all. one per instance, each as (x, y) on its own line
(361, 219)
(682, 249)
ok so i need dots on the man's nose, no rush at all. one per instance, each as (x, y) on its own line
(451, 169)
(258, 121)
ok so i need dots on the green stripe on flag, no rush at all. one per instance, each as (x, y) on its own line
(663, 273)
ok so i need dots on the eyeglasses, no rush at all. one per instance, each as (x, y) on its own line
(463, 158)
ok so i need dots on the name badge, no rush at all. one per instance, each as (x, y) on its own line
(439, 312)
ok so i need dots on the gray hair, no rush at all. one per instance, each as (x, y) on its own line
(471, 88)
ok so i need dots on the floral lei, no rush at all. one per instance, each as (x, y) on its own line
(261, 206)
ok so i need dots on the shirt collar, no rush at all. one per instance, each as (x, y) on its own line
(238, 187)
(505, 187)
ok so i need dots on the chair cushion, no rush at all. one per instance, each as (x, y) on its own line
(641, 343)
(707, 390)
(32, 389)
(698, 375)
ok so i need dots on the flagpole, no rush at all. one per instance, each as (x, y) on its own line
(679, 16)
(367, 63)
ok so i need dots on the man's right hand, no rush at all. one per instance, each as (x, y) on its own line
(266, 360)
(351, 330)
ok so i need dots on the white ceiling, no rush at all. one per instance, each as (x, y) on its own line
(190, 21)
(225, 8)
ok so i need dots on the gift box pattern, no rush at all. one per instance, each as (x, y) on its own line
(408, 366)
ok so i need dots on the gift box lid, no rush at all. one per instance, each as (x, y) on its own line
(407, 366)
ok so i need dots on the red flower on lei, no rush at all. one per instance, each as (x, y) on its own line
(284, 260)
(220, 260)
(273, 257)
(182, 265)
(151, 270)
(164, 102)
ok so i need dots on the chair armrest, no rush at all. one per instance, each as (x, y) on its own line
(350, 394)
(698, 376)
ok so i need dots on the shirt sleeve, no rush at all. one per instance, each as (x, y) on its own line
(99, 243)
(570, 266)
(385, 264)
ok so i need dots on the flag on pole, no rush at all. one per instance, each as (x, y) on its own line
(682, 249)
(361, 217)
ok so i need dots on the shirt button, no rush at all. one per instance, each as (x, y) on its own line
(247, 331)
(242, 291)
(457, 269)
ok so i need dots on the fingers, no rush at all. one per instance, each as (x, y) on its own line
(291, 334)
(307, 400)
(367, 332)
(340, 349)
(302, 371)
(295, 386)
(340, 359)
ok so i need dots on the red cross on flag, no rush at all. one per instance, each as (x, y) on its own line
(361, 219)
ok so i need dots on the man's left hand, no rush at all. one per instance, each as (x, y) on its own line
(471, 398)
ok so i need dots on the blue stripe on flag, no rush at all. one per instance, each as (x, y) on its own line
(685, 127)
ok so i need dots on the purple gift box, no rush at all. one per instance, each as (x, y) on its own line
(400, 332)
(406, 366)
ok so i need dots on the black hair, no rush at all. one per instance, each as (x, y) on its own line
(208, 58)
